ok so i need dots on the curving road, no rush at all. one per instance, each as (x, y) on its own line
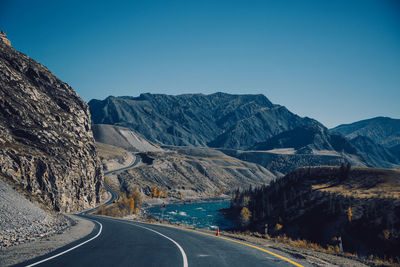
(115, 242)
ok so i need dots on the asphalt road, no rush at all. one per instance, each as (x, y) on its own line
(123, 243)
(116, 242)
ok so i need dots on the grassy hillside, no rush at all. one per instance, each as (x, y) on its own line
(362, 205)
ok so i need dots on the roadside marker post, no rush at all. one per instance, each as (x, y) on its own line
(162, 212)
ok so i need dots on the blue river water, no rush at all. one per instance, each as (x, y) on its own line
(201, 215)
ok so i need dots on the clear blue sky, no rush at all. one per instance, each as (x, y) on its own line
(335, 61)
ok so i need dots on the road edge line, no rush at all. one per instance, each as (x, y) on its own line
(232, 240)
(184, 257)
(68, 250)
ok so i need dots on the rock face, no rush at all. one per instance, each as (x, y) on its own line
(3, 38)
(47, 148)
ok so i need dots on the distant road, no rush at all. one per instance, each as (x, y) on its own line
(117, 243)
(125, 168)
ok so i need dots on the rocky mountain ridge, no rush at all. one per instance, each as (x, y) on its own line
(47, 149)
(216, 120)
(384, 131)
(235, 122)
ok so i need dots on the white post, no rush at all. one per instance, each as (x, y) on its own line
(340, 244)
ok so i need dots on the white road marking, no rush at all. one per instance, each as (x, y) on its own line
(68, 250)
(185, 261)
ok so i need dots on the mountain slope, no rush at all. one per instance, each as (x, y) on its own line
(47, 148)
(122, 137)
(216, 120)
(381, 130)
(224, 121)
(376, 154)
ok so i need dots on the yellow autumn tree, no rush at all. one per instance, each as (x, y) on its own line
(159, 192)
(131, 205)
(165, 193)
(154, 193)
(349, 213)
(245, 215)
(123, 212)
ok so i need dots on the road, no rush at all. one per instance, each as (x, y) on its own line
(115, 242)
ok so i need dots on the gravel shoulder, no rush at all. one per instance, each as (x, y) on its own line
(20, 253)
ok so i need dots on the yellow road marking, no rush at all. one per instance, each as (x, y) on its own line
(249, 245)
(226, 238)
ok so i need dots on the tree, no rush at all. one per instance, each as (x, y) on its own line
(131, 205)
(165, 193)
(245, 215)
(349, 213)
(155, 192)
(159, 193)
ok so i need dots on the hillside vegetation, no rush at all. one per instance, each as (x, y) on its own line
(319, 204)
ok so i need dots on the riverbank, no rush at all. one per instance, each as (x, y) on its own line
(151, 202)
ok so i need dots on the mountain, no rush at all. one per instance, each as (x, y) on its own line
(381, 130)
(216, 120)
(229, 123)
(377, 155)
(307, 140)
(47, 150)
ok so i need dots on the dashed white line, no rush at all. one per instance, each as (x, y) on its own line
(68, 250)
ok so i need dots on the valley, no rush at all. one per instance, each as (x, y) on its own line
(69, 168)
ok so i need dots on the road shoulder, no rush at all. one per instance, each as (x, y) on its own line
(17, 254)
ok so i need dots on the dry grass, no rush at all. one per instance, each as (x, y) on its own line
(330, 249)
(366, 183)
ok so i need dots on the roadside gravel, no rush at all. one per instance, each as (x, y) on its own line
(27, 231)
(17, 254)
(22, 221)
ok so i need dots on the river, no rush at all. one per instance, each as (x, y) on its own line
(201, 215)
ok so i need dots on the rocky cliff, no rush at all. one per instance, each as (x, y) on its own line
(47, 148)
